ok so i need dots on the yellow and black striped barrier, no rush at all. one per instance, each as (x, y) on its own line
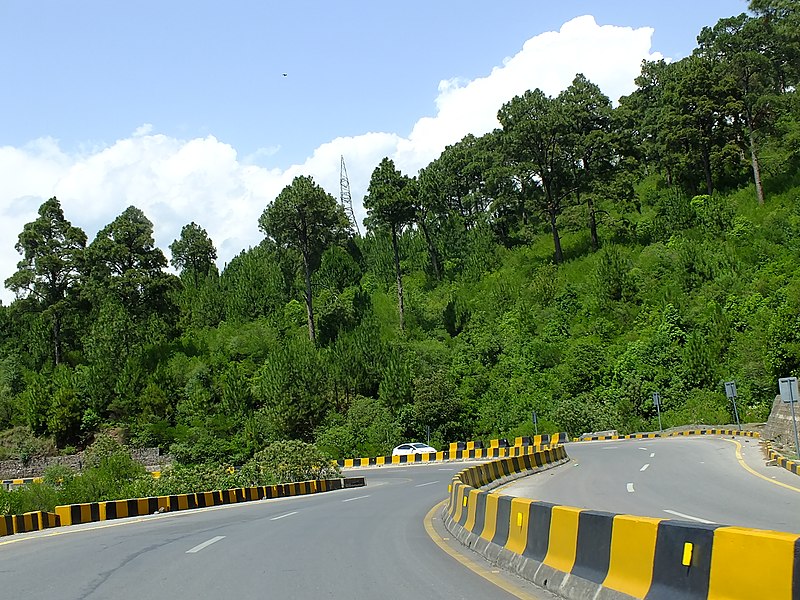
(74, 514)
(579, 553)
(10, 484)
(30, 521)
(781, 461)
(639, 436)
(462, 451)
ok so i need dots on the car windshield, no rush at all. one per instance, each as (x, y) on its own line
(420, 445)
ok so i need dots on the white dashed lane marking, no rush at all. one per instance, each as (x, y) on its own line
(205, 544)
(294, 512)
(356, 498)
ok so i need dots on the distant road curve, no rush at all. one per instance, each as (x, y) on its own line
(702, 479)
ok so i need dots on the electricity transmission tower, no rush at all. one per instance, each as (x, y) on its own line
(345, 198)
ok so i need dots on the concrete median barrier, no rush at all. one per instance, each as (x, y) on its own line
(579, 553)
(639, 436)
(74, 514)
(473, 450)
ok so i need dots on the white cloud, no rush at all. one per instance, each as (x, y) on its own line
(143, 130)
(204, 180)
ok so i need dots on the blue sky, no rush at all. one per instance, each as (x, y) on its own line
(182, 109)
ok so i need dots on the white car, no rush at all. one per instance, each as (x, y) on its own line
(415, 448)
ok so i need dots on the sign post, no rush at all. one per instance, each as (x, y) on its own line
(788, 389)
(657, 402)
(730, 391)
(535, 422)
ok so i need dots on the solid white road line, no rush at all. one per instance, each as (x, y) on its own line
(630, 488)
(690, 517)
(644, 468)
(205, 544)
(294, 512)
(424, 484)
(356, 498)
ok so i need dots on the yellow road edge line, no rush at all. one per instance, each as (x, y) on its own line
(749, 469)
(472, 565)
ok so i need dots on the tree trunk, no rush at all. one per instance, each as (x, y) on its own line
(559, 255)
(312, 333)
(434, 255)
(399, 277)
(756, 166)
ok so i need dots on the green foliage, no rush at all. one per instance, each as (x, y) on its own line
(20, 443)
(573, 262)
(293, 460)
(193, 253)
(368, 429)
(52, 252)
(306, 219)
(290, 388)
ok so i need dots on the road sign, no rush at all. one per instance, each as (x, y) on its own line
(788, 389)
(730, 391)
(657, 402)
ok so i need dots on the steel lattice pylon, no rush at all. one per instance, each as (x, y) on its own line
(345, 198)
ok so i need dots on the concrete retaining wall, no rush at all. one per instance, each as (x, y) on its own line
(17, 469)
(779, 428)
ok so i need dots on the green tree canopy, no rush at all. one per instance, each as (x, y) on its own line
(307, 219)
(193, 253)
(390, 206)
(52, 250)
(123, 260)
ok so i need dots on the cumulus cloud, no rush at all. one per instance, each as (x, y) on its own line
(203, 180)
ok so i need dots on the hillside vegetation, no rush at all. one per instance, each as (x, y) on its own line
(572, 262)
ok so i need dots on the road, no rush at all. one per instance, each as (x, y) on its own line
(689, 478)
(366, 543)
(355, 544)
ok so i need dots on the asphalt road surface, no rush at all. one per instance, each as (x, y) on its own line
(372, 542)
(357, 544)
(697, 479)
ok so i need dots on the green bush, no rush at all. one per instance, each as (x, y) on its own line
(185, 479)
(293, 460)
